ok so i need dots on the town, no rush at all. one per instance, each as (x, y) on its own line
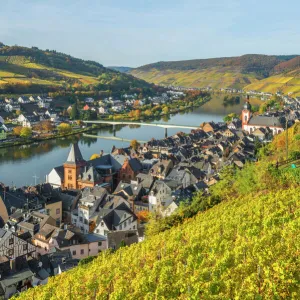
(26, 119)
(87, 206)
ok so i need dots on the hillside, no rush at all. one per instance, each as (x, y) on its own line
(286, 82)
(121, 69)
(245, 247)
(31, 69)
(226, 72)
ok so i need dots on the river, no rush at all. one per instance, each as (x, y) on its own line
(29, 164)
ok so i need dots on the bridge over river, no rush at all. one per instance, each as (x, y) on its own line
(162, 125)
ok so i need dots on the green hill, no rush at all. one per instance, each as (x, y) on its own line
(121, 69)
(226, 72)
(245, 247)
(31, 69)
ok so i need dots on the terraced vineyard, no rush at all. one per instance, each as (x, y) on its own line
(288, 82)
(246, 247)
(249, 72)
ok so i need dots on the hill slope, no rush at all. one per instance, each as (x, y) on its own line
(121, 69)
(247, 247)
(22, 67)
(234, 72)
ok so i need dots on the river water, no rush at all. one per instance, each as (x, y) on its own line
(29, 164)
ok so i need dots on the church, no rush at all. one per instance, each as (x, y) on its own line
(251, 123)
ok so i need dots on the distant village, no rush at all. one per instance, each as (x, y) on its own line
(31, 111)
(89, 206)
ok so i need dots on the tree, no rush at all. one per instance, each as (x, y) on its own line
(143, 216)
(134, 144)
(17, 130)
(47, 126)
(74, 112)
(165, 110)
(94, 156)
(64, 128)
(26, 132)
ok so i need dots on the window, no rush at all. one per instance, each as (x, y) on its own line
(81, 219)
(11, 241)
(25, 247)
(97, 230)
(74, 252)
(70, 177)
(120, 227)
(102, 223)
(133, 227)
(82, 229)
(86, 221)
(11, 252)
(125, 224)
(82, 251)
(58, 211)
(70, 171)
(99, 243)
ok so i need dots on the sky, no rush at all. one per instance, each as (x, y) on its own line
(137, 32)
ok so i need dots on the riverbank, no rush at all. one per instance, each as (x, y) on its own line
(172, 111)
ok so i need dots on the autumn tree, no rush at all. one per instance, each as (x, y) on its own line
(17, 130)
(26, 132)
(94, 156)
(134, 144)
(47, 126)
(64, 128)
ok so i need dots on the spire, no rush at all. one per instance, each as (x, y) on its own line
(75, 155)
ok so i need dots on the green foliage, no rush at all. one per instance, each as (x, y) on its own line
(74, 112)
(25, 132)
(86, 260)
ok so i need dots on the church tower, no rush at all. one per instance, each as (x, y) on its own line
(246, 114)
(72, 167)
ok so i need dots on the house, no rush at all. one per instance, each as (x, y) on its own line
(210, 127)
(14, 253)
(116, 239)
(130, 169)
(160, 196)
(80, 246)
(161, 169)
(86, 107)
(102, 110)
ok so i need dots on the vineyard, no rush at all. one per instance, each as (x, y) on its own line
(245, 247)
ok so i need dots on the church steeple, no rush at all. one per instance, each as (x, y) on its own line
(72, 167)
(75, 155)
(246, 114)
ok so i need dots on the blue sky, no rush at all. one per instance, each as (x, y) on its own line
(137, 32)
